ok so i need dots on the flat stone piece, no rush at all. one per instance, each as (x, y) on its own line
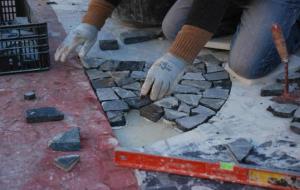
(225, 84)
(96, 74)
(201, 85)
(293, 77)
(295, 127)
(189, 123)
(134, 86)
(124, 93)
(297, 115)
(105, 94)
(212, 68)
(240, 148)
(67, 141)
(131, 66)
(43, 114)
(209, 59)
(103, 83)
(172, 115)
(168, 102)
(108, 45)
(137, 36)
(193, 76)
(189, 99)
(116, 118)
(67, 163)
(138, 75)
(214, 104)
(115, 105)
(223, 75)
(183, 89)
(203, 110)
(184, 108)
(119, 74)
(275, 89)
(152, 112)
(138, 102)
(92, 62)
(109, 65)
(124, 81)
(30, 95)
(216, 93)
(282, 110)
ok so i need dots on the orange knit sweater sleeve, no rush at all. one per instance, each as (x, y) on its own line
(98, 12)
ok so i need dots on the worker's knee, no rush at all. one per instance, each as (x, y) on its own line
(170, 28)
(253, 66)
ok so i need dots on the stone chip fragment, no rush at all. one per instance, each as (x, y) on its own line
(189, 99)
(189, 123)
(240, 148)
(282, 110)
(168, 102)
(152, 112)
(172, 115)
(124, 93)
(67, 163)
(105, 94)
(67, 141)
(115, 105)
(43, 114)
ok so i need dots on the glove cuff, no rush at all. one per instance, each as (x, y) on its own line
(98, 12)
(189, 41)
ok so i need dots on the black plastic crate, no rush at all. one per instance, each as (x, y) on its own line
(23, 48)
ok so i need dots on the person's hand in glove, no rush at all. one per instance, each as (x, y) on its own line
(84, 35)
(163, 76)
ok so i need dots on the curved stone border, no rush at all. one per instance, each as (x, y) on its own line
(200, 94)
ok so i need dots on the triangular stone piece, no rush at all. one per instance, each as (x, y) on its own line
(67, 141)
(240, 148)
(67, 163)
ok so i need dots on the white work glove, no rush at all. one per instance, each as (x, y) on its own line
(163, 76)
(84, 35)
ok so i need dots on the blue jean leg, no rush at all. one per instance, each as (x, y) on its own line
(253, 54)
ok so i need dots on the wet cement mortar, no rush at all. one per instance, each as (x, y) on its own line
(244, 115)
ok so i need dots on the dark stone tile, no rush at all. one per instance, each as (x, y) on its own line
(203, 110)
(183, 89)
(201, 85)
(152, 112)
(179, 179)
(109, 65)
(240, 148)
(115, 105)
(193, 76)
(137, 36)
(212, 68)
(214, 104)
(189, 123)
(124, 93)
(67, 163)
(103, 83)
(138, 102)
(133, 86)
(297, 115)
(92, 62)
(116, 118)
(172, 115)
(184, 108)
(293, 77)
(67, 141)
(43, 114)
(209, 59)
(168, 102)
(131, 66)
(272, 90)
(225, 84)
(124, 81)
(97, 74)
(108, 45)
(105, 94)
(295, 127)
(119, 74)
(30, 95)
(138, 75)
(223, 75)
(216, 93)
(282, 110)
(189, 99)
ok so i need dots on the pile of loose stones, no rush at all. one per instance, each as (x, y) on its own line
(201, 92)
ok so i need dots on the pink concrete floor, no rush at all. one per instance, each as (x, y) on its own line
(25, 160)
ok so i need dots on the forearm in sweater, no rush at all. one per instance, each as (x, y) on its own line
(99, 11)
